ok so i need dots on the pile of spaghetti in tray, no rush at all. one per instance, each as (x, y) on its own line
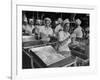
(47, 54)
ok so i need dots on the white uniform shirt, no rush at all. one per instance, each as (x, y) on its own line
(46, 31)
(78, 32)
(62, 36)
(38, 29)
(58, 27)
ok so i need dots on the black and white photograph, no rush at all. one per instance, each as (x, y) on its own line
(55, 39)
(50, 40)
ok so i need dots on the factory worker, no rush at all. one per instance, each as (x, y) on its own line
(59, 26)
(31, 25)
(46, 31)
(78, 31)
(38, 27)
(28, 27)
(64, 39)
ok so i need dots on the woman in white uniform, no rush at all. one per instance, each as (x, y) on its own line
(59, 26)
(38, 27)
(64, 39)
(46, 30)
(78, 31)
(31, 26)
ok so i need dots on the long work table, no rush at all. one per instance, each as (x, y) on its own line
(39, 62)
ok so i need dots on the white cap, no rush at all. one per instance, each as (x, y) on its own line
(38, 20)
(25, 18)
(66, 21)
(31, 19)
(48, 19)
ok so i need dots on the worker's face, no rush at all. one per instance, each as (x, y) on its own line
(60, 21)
(31, 22)
(78, 22)
(38, 22)
(66, 27)
(47, 22)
